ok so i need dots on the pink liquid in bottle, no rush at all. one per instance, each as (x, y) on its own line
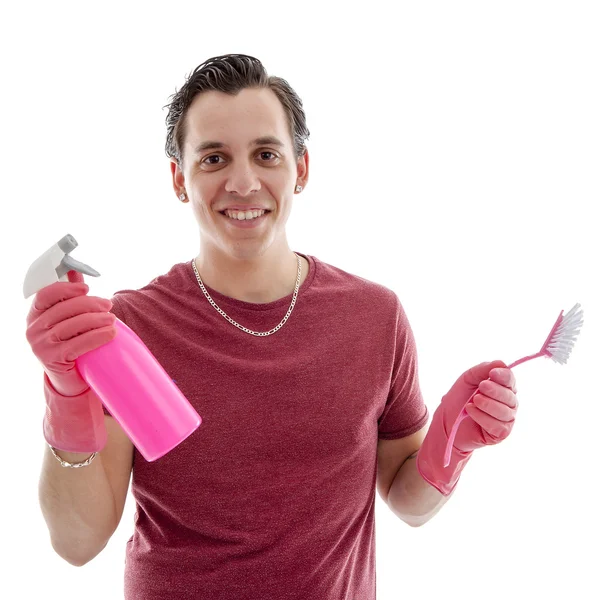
(139, 393)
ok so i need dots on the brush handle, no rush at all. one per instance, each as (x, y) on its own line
(464, 414)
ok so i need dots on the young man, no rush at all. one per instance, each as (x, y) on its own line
(305, 377)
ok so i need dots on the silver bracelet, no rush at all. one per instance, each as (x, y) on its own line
(64, 463)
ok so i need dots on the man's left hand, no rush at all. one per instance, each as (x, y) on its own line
(492, 410)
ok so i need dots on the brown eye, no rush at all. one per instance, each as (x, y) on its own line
(271, 157)
(211, 156)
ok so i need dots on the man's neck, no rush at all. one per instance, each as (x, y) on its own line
(258, 280)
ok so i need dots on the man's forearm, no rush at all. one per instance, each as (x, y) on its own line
(412, 498)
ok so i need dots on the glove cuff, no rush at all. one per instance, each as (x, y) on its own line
(430, 458)
(73, 423)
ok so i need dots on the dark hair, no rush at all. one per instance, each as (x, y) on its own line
(231, 73)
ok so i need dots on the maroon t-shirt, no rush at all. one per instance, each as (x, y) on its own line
(273, 496)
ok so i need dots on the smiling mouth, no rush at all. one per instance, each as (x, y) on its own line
(222, 212)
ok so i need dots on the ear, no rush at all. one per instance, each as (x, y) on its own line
(302, 170)
(177, 177)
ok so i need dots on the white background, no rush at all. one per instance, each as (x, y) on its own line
(454, 158)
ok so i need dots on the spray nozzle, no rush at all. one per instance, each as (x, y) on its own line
(53, 265)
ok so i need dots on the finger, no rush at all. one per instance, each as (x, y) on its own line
(481, 371)
(80, 324)
(494, 408)
(61, 311)
(52, 294)
(494, 428)
(46, 337)
(75, 276)
(505, 377)
(498, 392)
(90, 341)
(79, 305)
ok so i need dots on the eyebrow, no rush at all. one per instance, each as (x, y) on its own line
(267, 139)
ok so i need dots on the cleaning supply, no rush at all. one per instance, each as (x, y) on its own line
(558, 346)
(123, 373)
(440, 459)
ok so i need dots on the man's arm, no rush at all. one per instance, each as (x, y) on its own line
(416, 494)
(399, 482)
(412, 498)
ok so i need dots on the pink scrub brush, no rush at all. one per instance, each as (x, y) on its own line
(558, 346)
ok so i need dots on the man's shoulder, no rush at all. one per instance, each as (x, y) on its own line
(358, 289)
(168, 282)
(352, 283)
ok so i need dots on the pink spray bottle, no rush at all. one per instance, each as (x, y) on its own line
(130, 382)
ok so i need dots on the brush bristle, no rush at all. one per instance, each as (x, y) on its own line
(562, 341)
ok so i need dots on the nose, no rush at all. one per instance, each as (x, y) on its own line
(242, 180)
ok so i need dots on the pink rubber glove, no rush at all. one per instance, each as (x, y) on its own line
(491, 415)
(64, 323)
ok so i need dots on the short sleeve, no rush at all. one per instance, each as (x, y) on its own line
(405, 411)
(116, 310)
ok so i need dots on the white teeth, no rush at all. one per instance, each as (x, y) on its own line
(247, 215)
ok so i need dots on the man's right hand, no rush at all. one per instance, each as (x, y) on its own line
(64, 323)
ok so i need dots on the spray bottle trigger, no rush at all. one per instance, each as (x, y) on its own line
(68, 263)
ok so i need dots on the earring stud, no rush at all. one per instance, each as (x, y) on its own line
(182, 196)
(298, 188)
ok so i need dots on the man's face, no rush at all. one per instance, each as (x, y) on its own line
(241, 172)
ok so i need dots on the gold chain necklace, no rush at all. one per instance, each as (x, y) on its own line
(258, 333)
